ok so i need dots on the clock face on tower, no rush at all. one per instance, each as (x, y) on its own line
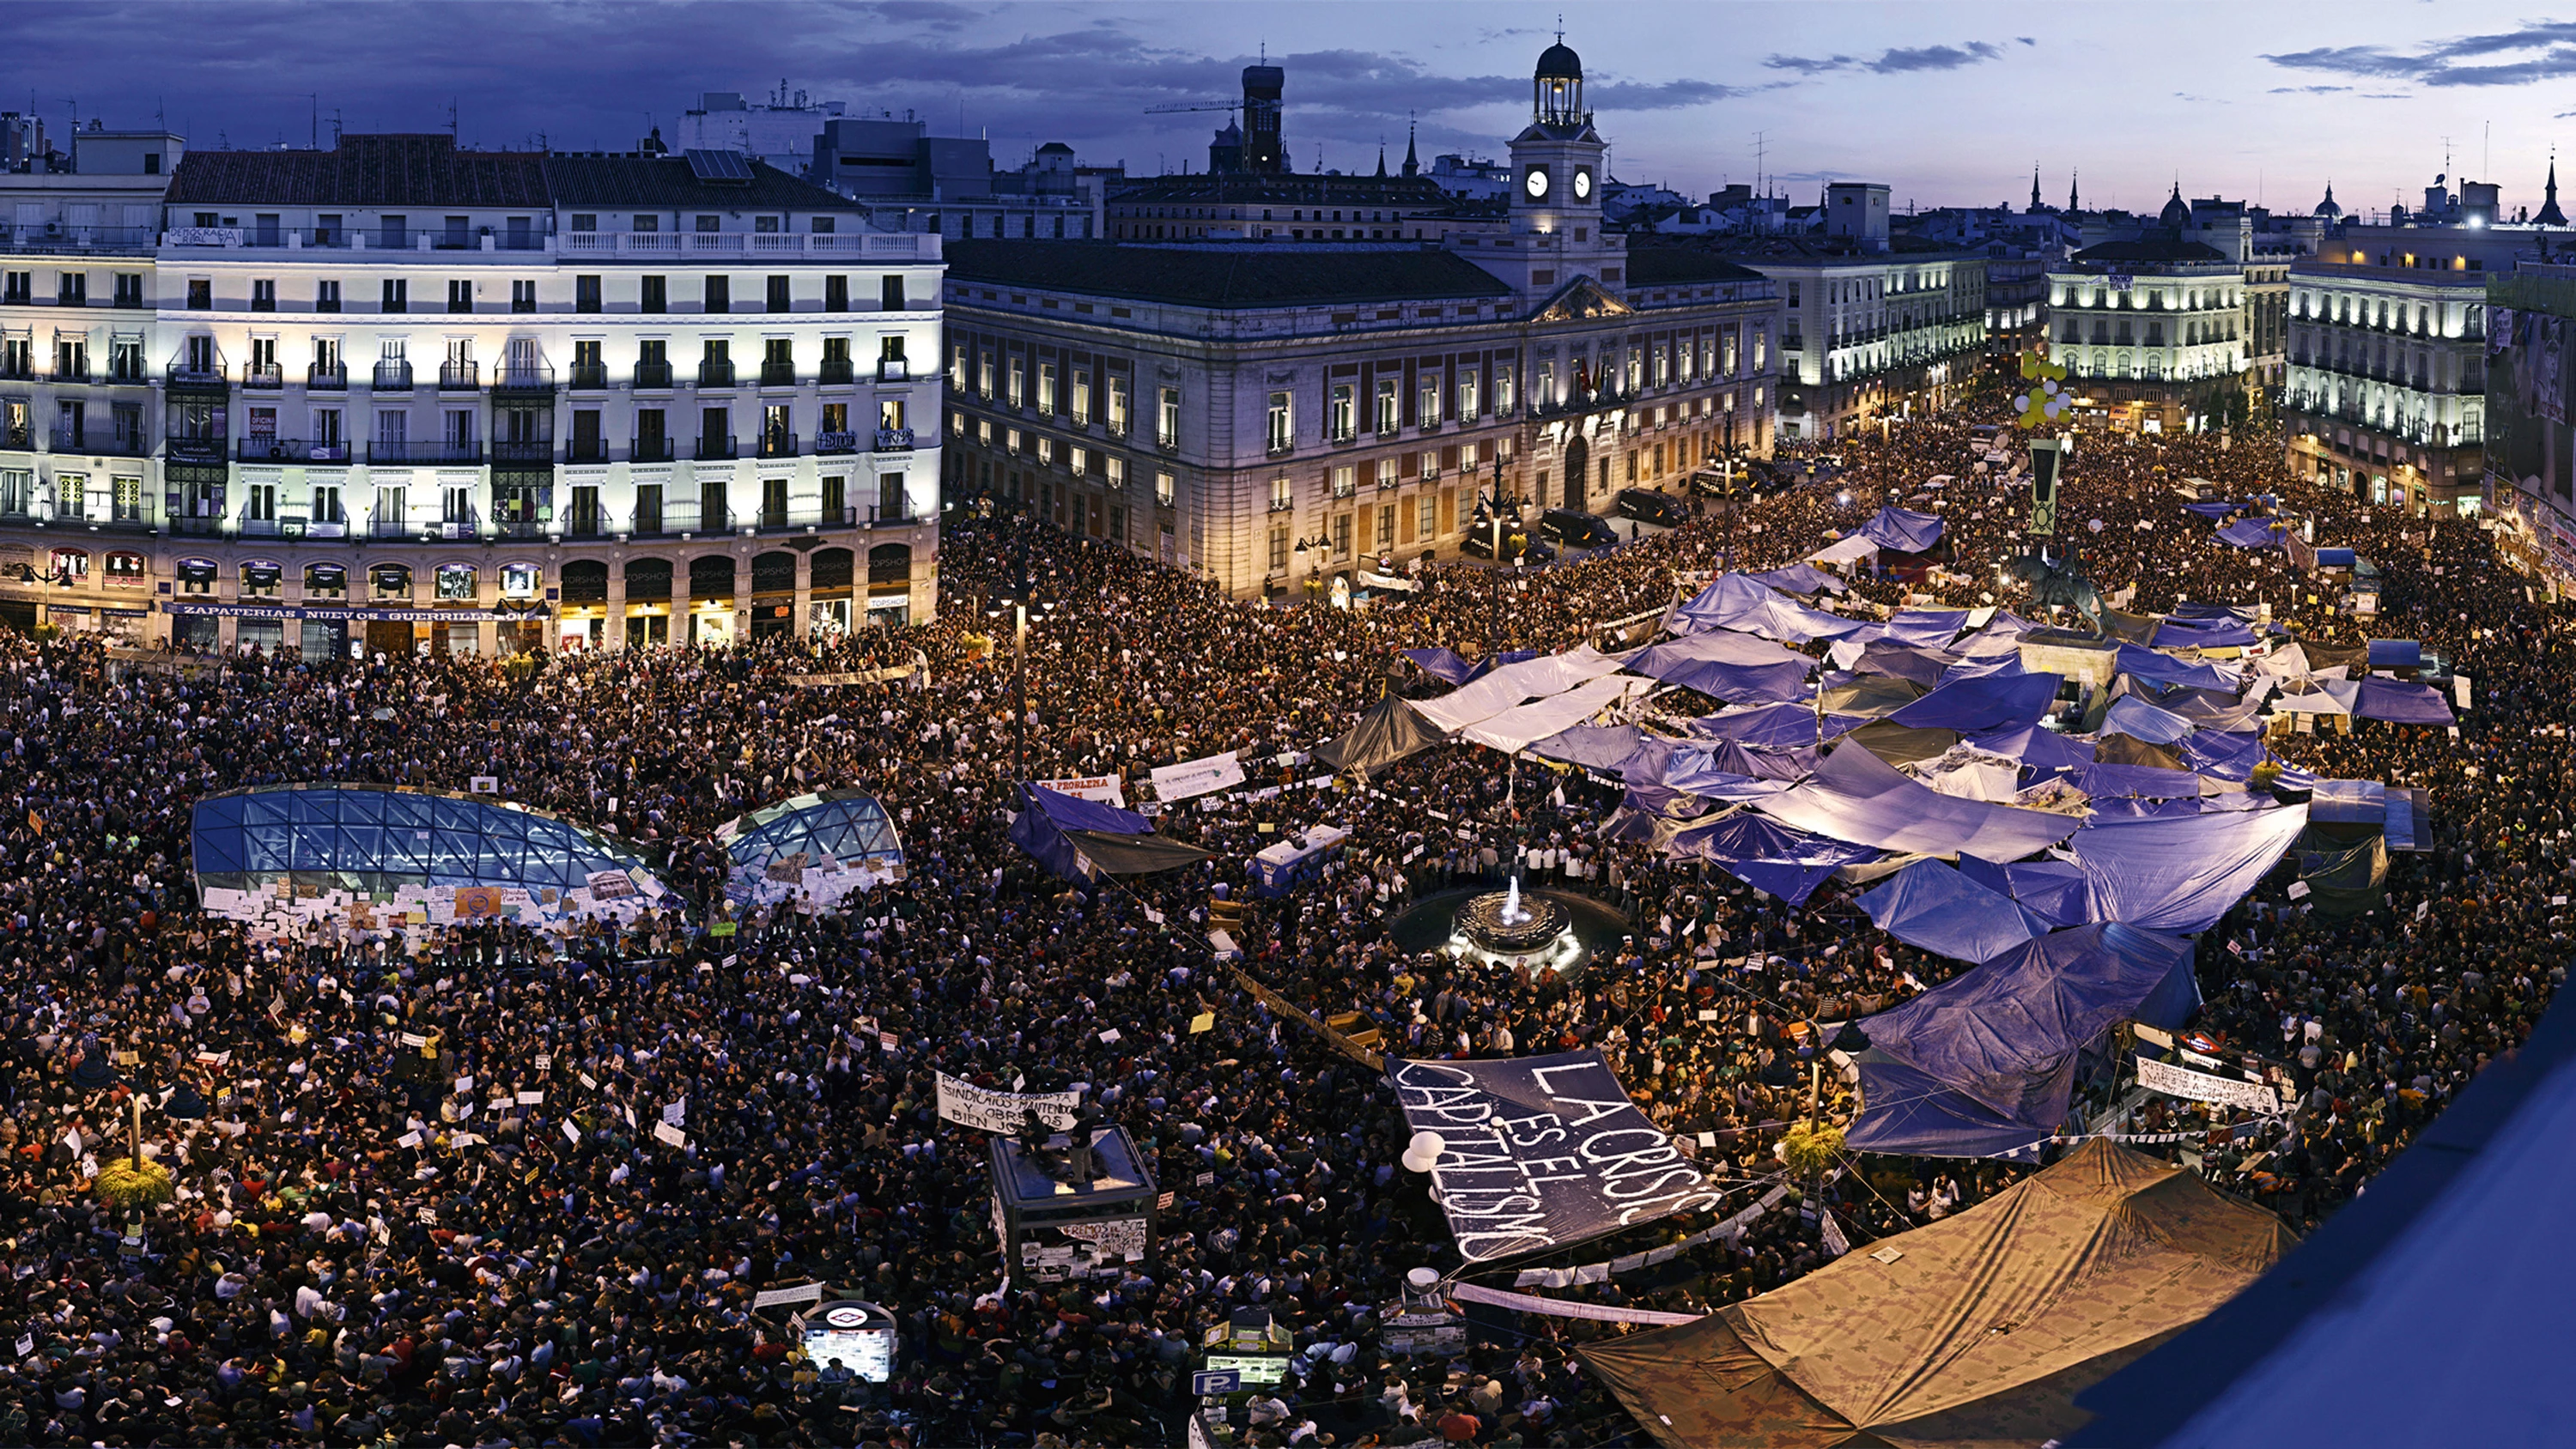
(1582, 183)
(1535, 183)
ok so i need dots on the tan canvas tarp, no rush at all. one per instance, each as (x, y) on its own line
(1980, 1333)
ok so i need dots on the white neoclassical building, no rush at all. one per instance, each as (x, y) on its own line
(398, 395)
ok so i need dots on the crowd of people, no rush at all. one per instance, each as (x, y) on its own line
(420, 1200)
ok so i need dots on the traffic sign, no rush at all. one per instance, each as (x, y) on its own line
(1221, 1381)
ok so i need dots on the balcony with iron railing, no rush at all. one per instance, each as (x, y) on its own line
(835, 443)
(669, 245)
(524, 377)
(778, 374)
(200, 372)
(589, 377)
(331, 378)
(686, 516)
(263, 375)
(18, 437)
(893, 440)
(460, 375)
(649, 450)
(837, 371)
(292, 450)
(777, 445)
(715, 374)
(393, 375)
(523, 452)
(194, 447)
(430, 450)
(894, 369)
(711, 449)
(653, 376)
(586, 450)
(63, 236)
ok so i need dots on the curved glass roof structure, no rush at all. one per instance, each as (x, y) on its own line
(404, 857)
(826, 845)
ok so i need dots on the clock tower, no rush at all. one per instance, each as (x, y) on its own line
(1557, 176)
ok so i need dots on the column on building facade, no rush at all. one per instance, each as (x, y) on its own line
(683, 604)
(801, 621)
(612, 630)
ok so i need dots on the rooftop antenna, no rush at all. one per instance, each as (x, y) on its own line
(2486, 149)
(335, 128)
(451, 119)
(313, 122)
(1761, 139)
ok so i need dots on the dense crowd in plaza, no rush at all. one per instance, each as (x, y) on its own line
(319, 1281)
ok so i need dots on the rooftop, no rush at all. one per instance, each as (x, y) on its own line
(365, 171)
(1657, 266)
(1244, 275)
(2155, 246)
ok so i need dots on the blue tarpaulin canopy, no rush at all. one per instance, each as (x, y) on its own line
(1732, 601)
(1066, 832)
(2181, 874)
(2214, 634)
(1799, 578)
(2136, 782)
(1941, 910)
(1775, 726)
(2337, 558)
(1980, 705)
(2037, 747)
(2399, 702)
(2157, 668)
(2139, 720)
(2003, 1037)
(1899, 661)
(2396, 654)
(1722, 664)
(2053, 890)
(2254, 533)
(1442, 664)
(1902, 530)
(1786, 863)
(2216, 509)
(2223, 756)
(2191, 610)
(1716, 766)
(1922, 628)
(1599, 747)
(1856, 796)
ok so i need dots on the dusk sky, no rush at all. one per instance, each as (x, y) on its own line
(1946, 103)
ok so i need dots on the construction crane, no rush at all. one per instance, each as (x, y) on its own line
(1229, 107)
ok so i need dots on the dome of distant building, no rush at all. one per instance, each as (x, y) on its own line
(2177, 212)
(2327, 207)
(1559, 62)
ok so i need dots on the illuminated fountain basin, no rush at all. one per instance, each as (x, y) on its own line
(1549, 932)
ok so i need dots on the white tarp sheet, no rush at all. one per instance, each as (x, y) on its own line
(1515, 730)
(1538, 678)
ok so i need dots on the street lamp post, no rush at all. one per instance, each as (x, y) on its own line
(1490, 508)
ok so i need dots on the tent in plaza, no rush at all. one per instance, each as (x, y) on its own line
(1775, 726)
(2399, 702)
(1856, 796)
(2157, 668)
(2053, 890)
(1974, 1332)
(1387, 732)
(1931, 906)
(2203, 634)
(1598, 747)
(1732, 601)
(1502, 688)
(1799, 578)
(2036, 746)
(2005, 1036)
(1844, 550)
(1902, 530)
(1978, 705)
(1725, 665)
(1786, 863)
(1080, 839)
(2139, 720)
(1444, 664)
(2183, 873)
(1515, 729)
(2255, 533)
(1868, 694)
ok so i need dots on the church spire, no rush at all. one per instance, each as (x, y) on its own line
(2034, 186)
(1381, 160)
(2550, 215)
(2074, 192)
(1412, 165)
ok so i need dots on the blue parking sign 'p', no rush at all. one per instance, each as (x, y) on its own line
(1221, 1381)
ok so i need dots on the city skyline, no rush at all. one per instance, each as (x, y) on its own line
(2376, 98)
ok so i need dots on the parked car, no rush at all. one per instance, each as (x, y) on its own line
(1577, 529)
(1479, 543)
(1648, 506)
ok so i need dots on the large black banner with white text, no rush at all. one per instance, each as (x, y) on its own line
(1542, 1151)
